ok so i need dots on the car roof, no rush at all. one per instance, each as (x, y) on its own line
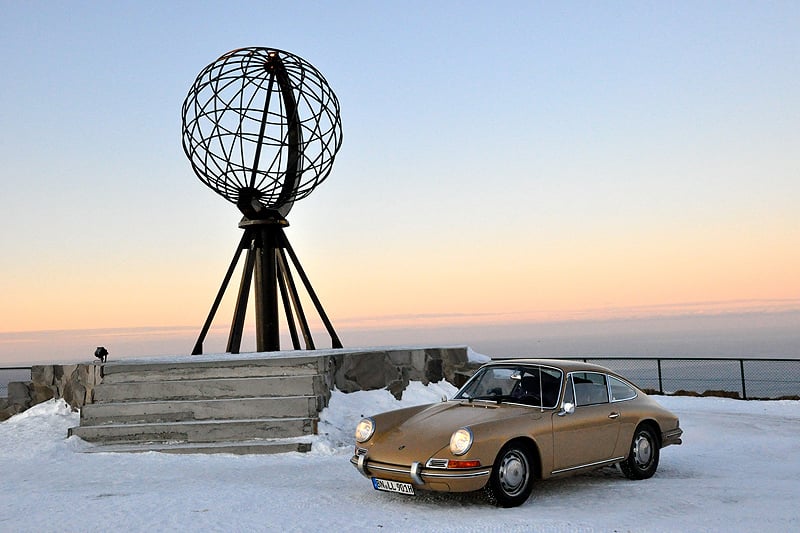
(565, 365)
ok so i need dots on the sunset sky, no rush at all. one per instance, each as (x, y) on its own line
(509, 162)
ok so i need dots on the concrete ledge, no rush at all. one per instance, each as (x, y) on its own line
(210, 388)
(211, 431)
(209, 409)
(237, 448)
(188, 368)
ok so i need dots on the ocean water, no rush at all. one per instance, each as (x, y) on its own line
(746, 335)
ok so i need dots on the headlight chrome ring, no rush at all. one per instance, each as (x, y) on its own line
(461, 441)
(365, 429)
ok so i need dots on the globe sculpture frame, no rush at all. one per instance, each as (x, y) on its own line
(261, 127)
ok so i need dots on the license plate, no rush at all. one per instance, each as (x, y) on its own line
(392, 486)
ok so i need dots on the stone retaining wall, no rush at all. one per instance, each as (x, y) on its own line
(394, 368)
(368, 369)
(74, 383)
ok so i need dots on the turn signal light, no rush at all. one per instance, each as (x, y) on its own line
(463, 464)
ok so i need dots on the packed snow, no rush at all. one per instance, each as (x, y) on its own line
(738, 470)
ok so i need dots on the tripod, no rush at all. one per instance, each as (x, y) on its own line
(267, 264)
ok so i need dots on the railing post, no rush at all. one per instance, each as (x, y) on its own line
(744, 389)
(660, 384)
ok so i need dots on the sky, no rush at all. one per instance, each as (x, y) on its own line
(519, 163)
(736, 470)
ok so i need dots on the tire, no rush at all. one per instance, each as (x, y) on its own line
(642, 460)
(511, 481)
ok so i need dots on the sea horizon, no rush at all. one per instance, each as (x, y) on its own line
(774, 335)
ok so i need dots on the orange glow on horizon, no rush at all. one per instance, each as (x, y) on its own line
(583, 278)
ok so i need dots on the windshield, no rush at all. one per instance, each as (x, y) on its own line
(528, 385)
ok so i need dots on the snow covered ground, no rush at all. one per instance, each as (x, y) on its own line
(738, 470)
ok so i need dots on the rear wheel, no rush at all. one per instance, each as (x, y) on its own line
(642, 460)
(511, 481)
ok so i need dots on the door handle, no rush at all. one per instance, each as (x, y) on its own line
(613, 415)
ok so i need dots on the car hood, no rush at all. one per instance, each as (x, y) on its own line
(418, 435)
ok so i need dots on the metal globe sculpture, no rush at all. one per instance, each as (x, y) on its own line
(261, 127)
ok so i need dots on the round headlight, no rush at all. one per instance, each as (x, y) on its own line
(365, 429)
(461, 441)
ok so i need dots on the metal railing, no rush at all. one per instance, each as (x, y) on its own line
(735, 377)
(12, 373)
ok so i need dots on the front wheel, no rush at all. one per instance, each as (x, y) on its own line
(511, 481)
(642, 460)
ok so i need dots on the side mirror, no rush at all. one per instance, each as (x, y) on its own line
(568, 409)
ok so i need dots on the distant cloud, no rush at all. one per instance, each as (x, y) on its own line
(701, 308)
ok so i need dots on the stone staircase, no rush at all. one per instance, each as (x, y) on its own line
(204, 405)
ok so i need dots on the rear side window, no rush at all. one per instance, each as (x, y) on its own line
(620, 390)
(590, 388)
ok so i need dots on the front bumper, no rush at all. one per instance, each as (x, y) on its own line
(438, 479)
(670, 437)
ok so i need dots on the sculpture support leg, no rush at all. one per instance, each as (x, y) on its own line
(298, 306)
(335, 342)
(243, 244)
(268, 269)
(237, 326)
(266, 294)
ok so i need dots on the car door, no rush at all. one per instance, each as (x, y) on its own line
(589, 434)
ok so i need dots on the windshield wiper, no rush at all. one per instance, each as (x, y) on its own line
(494, 397)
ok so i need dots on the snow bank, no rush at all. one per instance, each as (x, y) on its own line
(338, 421)
(736, 471)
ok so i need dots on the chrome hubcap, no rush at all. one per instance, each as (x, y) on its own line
(642, 451)
(513, 472)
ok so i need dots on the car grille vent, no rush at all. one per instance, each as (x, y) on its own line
(437, 463)
(361, 451)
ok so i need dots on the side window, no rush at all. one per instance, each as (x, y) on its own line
(620, 390)
(551, 386)
(590, 388)
(538, 387)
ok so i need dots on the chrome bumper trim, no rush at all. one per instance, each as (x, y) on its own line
(361, 465)
(598, 463)
(672, 436)
(415, 471)
(458, 475)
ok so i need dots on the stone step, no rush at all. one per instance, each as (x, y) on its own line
(197, 432)
(238, 448)
(123, 372)
(211, 389)
(187, 410)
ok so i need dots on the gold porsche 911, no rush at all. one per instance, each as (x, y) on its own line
(515, 422)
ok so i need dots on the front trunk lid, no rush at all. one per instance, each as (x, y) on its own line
(423, 434)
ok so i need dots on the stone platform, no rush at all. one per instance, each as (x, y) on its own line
(244, 403)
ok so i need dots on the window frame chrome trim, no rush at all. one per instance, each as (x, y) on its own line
(511, 364)
(629, 384)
